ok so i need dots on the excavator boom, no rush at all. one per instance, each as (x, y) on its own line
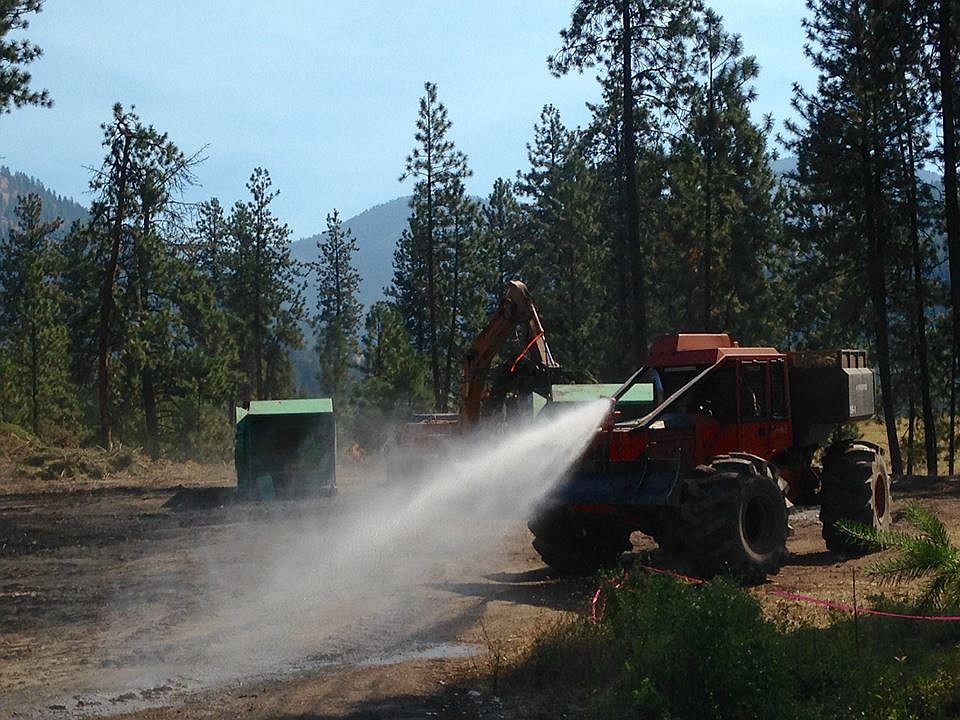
(516, 309)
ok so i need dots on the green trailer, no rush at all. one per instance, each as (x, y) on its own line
(636, 402)
(285, 448)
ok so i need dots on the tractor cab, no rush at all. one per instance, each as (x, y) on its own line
(714, 397)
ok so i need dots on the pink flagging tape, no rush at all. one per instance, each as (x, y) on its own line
(598, 603)
(846, 607)
(686, 578)
(598, 606)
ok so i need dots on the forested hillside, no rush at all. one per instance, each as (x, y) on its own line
(15, 184)
(665, 213)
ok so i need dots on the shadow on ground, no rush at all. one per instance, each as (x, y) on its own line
(538, 588)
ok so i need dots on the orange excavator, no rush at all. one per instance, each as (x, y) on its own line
(490, 393)
(478, 391)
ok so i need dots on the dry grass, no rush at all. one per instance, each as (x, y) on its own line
(876, 432)
(28, 466)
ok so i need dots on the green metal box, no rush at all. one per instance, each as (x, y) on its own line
(285, 448)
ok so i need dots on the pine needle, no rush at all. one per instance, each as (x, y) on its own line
(925, 553)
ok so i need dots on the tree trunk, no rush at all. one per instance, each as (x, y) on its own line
(432, 289)
(258, 331)
(911, 430)
(920, 304)
(878, 298)
(34, 380)
(708, 193)
(454, 312)
(148, 391)
(633, 295)
(952, 207)
(106, 302)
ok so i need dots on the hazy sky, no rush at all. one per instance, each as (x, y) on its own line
(324, 93)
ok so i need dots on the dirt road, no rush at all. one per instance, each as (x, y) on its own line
(164, 602)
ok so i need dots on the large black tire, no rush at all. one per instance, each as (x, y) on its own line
(854, 487)
(734, 519)
(578, 545)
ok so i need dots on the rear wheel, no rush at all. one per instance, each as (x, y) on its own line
(854, 487)
(734, 518)
(579, 545)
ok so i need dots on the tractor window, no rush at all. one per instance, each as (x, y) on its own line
(641, 398)
(694, 399)
(675, 378)
(778, 389)
(753, 390)
(722, 394)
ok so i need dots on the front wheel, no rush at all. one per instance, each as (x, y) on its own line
(578, 545)
(734, 519)
(855, 487)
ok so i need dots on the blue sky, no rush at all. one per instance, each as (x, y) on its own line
(324, 93)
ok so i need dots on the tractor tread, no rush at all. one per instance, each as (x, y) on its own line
(854, 487)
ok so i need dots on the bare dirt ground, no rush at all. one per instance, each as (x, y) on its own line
(131, 596)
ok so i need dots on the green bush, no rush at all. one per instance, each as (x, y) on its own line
(696, 651)
(665, 649)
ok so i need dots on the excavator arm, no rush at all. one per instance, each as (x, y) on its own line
(516, 309)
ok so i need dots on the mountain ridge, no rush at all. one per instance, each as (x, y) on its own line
(13, 184)
(376, 230)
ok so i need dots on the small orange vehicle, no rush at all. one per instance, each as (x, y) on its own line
(490, 394)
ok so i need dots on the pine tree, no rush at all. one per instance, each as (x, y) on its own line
(565, 234)
(15, 54)
(724, 224)
(211, 236)
(642, 47)
(33, 338)
(394, 376)
(504, 242)
(338, 311)
(428, 256)
(129, 249)
(210, 365)
(265, 294)
(848, 159)
(201, 377)
(83, 258)
(141, 176)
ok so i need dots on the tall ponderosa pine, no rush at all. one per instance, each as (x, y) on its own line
(15, 54)
(338, 311)
(127, 244)
(945, 40)
(429, 255)
(571, 254)
(847, 146)
(642, 46)
(37, 388)
(504, 243)
(265, 297)
(723, 226)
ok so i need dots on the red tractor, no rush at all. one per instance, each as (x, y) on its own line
(704, 449)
